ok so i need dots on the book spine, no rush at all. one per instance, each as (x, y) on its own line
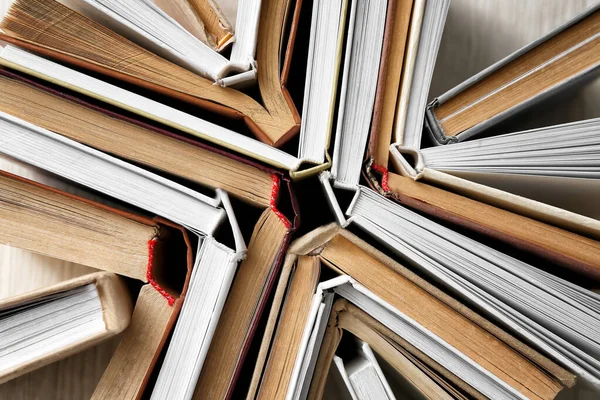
(433, 126)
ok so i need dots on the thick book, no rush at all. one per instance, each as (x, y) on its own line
(537, 71)
(330, 263)
(273, 122)
(49, 324)
(78, 118)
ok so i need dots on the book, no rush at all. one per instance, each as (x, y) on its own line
(555, 237)
(232, 333)
(275, 122)
(323, 78)
(145, 107)
(326, 44)
(530, 74)
(244, 308)
(97, 126)
(99, 171)
(389, 293)
(509, 204)
(405, 20)
(39, 218)
(519, 164)
(359, 80)
(49, 324)
(75, 117)
(427, 26)
(148, 25)
(53, 223)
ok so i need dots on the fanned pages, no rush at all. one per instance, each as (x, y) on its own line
(143, 106)
(49, 324)
(36, 25)
(532, 163)
(144, 23)
(324, 55)
(555, 315)
(87, 166)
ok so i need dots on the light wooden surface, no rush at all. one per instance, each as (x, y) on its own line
(478, 33)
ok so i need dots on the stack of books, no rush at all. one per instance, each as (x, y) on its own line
(269, 206)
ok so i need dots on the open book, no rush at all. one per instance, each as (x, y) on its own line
(145, 23)
(273, 121)
(349, 29)
(445, 340)
(103, 129)
(544, 177)
(214, 263)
